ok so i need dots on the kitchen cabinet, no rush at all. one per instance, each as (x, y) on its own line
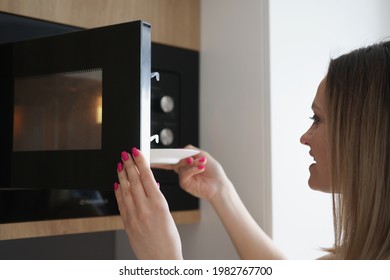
(174, 22)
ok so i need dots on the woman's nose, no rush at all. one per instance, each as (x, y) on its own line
(305, 138)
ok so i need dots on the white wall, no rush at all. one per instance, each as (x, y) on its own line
(237, 74)
(234, 115)
(304, 35)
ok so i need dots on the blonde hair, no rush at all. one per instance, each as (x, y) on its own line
(358, 97)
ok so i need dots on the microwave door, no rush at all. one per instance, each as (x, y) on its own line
(71, 103)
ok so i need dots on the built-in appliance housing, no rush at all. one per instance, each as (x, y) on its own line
(174, 117)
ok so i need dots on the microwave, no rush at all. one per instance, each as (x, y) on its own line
(178, 69)
(70, 103)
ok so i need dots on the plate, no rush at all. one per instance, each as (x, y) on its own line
(170, 156)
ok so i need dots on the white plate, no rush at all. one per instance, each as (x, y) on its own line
(170, 156)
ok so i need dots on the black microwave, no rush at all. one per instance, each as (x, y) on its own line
(122, 71)
(69, 105)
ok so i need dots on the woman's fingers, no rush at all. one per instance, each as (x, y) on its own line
(146, 177)
(187, 173)
(175, 167)
(135, 177)
(199, 160)
(120, 200)
(137, 181)
(130, 174)
(180, 164)
(124, 192)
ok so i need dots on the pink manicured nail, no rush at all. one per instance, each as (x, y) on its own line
(135, 152)
(119, 167)
(125, 156)
(201, 167)
(189, 160)
(202, 159)
(158, 184)
(116, 186)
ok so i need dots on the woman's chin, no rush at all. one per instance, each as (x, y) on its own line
(315, 182)
(318, 186)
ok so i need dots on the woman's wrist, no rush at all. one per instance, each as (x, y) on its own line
(225, 189)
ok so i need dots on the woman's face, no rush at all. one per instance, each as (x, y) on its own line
(317, 139)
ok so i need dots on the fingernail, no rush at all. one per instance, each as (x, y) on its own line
(189, 160)
(125, 156)
(201, 167)
(202, 159)
(119, 167)
(116, 186)
(135, 152)
(158, 184)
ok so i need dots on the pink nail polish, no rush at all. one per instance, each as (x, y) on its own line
(125, 156)
(135, 152)
(189, 160)
(158, 184)
(119, 167)
(202, 159)
(116, 186)
(201, 167)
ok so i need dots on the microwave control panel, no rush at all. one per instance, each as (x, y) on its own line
(165, 115)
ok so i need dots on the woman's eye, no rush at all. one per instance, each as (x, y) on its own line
(315, 118)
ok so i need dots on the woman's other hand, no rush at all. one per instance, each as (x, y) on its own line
(145, 214)
(201, 175)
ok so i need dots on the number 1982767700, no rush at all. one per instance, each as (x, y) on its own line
(242, 270)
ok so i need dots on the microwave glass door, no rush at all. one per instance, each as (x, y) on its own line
(58, 112)
(69, 104)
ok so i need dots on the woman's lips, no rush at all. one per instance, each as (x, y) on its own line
(311, 154)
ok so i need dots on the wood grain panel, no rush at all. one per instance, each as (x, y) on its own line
(174, 22)
(75, 226)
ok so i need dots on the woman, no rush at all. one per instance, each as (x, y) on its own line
(350, 143)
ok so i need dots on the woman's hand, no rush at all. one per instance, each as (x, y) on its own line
(201, 175)
(204, 177)
(145, 214)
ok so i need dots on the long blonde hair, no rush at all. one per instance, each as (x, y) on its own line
(358, 97)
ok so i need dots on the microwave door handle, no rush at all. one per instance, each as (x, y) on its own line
(155, 75)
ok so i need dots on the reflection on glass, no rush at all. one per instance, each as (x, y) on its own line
(58, 112)
(99, 110)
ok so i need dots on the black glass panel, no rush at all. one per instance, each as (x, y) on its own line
(58, 112)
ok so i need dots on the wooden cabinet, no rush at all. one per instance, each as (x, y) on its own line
(74, 226)
(174, 22)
